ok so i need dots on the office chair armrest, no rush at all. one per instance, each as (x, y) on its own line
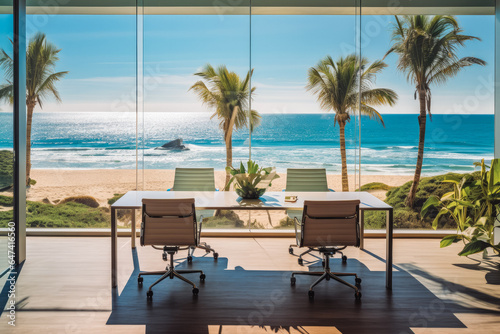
(297, 231)
(329, 189)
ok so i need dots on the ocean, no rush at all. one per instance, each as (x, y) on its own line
(108, 140)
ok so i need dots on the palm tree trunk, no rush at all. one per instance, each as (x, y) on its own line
(229, 155)
(345, 180)
(29, 119)
(422, 119)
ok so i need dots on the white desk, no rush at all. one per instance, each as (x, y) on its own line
(229, 200)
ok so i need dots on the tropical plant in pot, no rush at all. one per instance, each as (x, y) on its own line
(252, 182)
(474, 205)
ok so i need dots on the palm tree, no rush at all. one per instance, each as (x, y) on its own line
(427, 53)
(343, 84)
(41, 78)
(225, 92)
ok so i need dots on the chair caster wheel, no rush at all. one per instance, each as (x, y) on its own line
(216, 256)
(290, 250)
(300, 261)
(202, 277)
(190, 259)
(292, 281)
(150, 295)
(195, 291)
(344, 259)
(311, 294)
(357, 295)
(358, 281)
(140, 280)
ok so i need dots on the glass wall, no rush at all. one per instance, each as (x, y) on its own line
(196, 76)
(6, 132)
(135, 100)
(459, 114)
(300, 127)
(83, 126)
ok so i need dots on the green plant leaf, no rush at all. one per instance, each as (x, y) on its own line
(474, 247)
(436, 220)
(432, 201)
(450, 239)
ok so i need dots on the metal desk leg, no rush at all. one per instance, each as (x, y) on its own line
(114, 262)
(132, 241)
(388, 255)
(361, 229)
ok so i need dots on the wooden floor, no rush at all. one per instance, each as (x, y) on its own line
(64, 287)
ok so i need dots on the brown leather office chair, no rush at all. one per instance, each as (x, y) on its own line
(328, 226)
(169, 225)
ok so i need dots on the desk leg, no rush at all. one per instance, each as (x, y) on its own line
(132, 241)
(361, 229)
(114, 278)
(388, 255)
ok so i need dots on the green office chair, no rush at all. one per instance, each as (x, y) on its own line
(196, 179)
(306, 179)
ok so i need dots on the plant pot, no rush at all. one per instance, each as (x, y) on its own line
(250, 193)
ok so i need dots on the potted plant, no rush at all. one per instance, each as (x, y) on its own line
(250, 183)
(474, 206)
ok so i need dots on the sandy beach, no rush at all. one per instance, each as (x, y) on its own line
(102, 184)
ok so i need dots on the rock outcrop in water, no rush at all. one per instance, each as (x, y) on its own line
(174, 145)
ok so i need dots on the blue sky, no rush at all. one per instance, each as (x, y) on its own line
(99, 52)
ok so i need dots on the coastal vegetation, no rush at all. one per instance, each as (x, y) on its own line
(229, 95)
(410, 218)
(343, 86)
(41, 79)
(66, 215)
(473, 205)
(427, 49)
(6, 169)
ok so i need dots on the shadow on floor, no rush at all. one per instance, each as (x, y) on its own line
(8, 280)
(254, 298)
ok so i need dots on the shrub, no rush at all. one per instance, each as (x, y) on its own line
(85, 200)
(6, 169)
(286, 223)
(225, 219)
(115, 198)
(68, 215)
(6, 201)
(375, 186)
(405, 217)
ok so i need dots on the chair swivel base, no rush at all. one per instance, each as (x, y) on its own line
(202, 245)
(312, 249)
(327, 274)
(171, 273)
